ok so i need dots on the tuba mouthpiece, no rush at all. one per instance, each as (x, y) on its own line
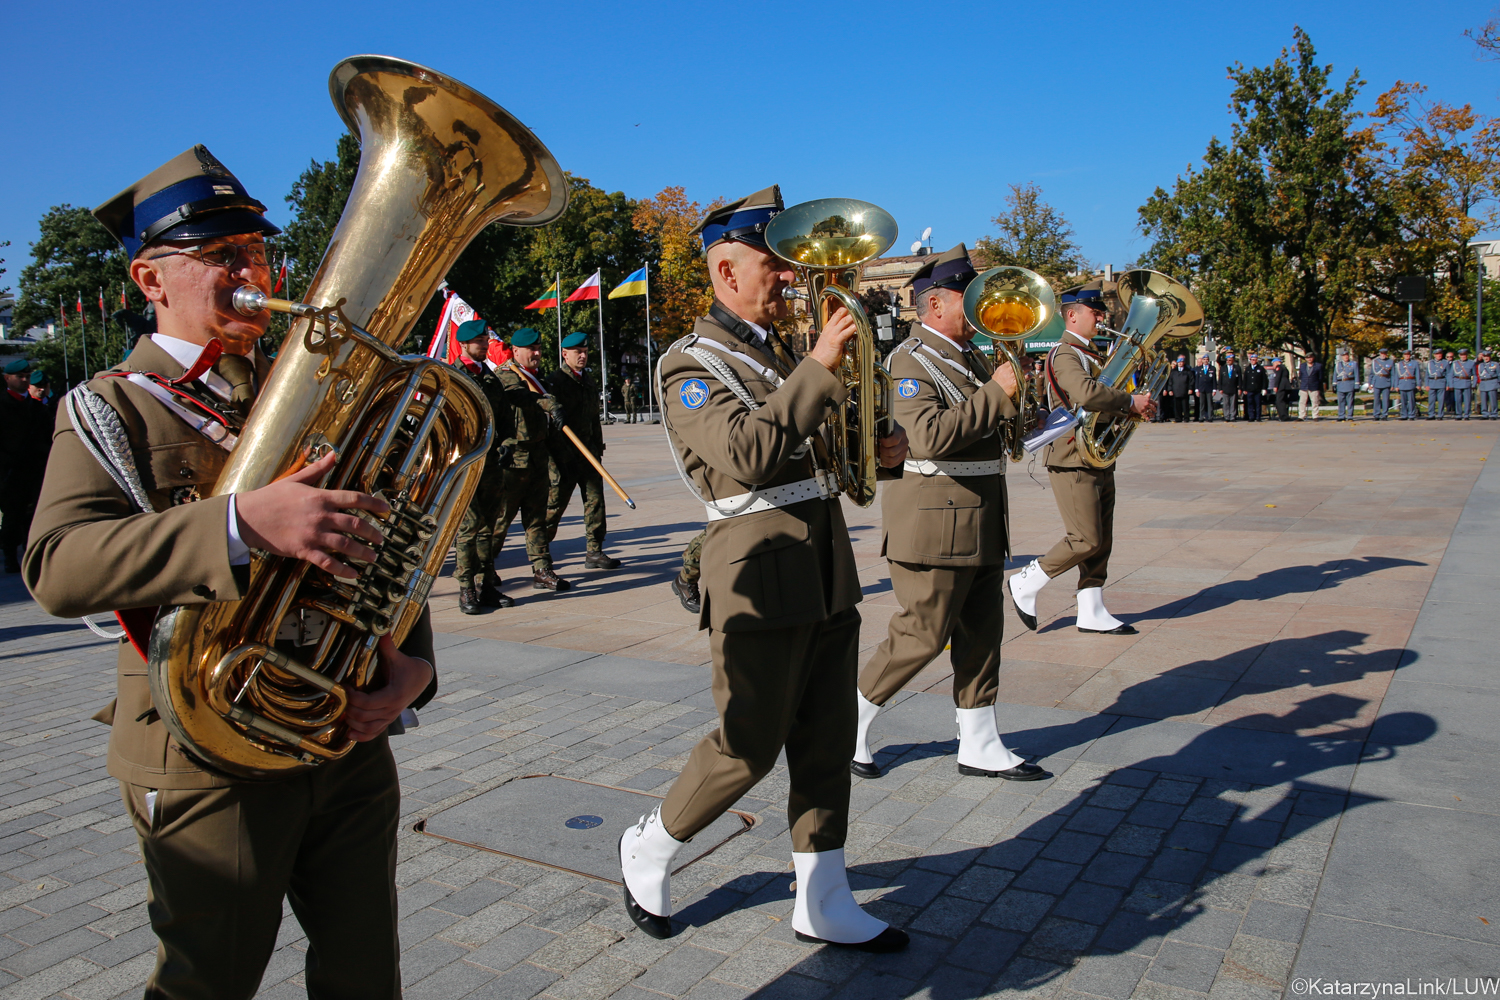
(792, 294)
(249, 300)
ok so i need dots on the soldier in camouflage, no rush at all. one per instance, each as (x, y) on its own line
(579, 397)
(686, 584)
(526, 478)
(478, 584)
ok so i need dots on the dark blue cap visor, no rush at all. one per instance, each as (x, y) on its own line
(747, 226)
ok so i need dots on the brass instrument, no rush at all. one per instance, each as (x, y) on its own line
(568, 433)
(257, 687)
(827, 241)
(1009, 305)
(1158, 308)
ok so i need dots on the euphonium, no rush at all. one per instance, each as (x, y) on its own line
(1158, 308)
(1008, 305)
(258, 687)
(827, 241)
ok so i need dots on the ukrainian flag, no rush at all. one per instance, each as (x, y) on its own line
(635, 284)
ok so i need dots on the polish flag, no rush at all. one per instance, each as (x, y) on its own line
(587, 291)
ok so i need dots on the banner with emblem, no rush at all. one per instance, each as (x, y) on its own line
(444, 344)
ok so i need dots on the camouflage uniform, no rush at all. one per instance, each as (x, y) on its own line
(579, 398)
(475, 542)
(692, 556)
(524, 485)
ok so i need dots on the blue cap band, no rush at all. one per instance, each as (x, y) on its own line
(742, 225)
(955, 274)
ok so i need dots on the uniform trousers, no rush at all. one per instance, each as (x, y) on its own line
(18, 496)
(525, 490)
(1463, 401)
(1308, 399)
(1382, 402)
(1434, 404)
(1489, 399)
(563, 479)
(942, 605)
(1252, 406)
(1231, 407)
(785, 687)
(475, 543)
(1283, 405)
(1205, 407)
(1408, 404)
(692, 559)
(1086, 500)
(219, 862)
(1346, 404)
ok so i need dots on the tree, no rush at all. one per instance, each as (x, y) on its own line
(681, 291)
(1278, 226)
(1440, 165)
(317, 200)
(73, 259)
(1486, 39)
(1033, 235)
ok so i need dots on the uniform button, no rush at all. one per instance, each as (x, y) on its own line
(950, 503)
(204, 592)
(185, 472)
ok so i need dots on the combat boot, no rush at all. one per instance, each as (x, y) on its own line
(468, 601)
(545, 579)
(687, 593)
(598, 560)
(490, 596)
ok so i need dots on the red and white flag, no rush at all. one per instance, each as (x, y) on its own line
(80, 303)
(123, 303)
(586, 292)
(456, 311)
(280, 276)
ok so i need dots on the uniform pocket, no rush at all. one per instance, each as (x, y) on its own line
(947, 522)
(765, 567)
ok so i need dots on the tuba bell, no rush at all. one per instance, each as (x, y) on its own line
(1159, 308)
(1009, 305)
(827, 241)
(257, 688)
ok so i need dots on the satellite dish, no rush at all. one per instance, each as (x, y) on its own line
(927, 233)
(916, 246)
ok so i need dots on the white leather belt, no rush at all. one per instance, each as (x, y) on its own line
(769, 499)
(928, 467)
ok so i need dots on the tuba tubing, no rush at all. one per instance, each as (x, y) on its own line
(256, 687)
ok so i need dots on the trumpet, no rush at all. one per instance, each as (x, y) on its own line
(1009, 305)
(828, 241)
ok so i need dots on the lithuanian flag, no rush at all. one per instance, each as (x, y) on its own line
(634, 284)
(547, 300)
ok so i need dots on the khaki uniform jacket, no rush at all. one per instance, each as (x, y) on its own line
(1084, 392)
(777, 568)
(89, 555)
(524, 420)
(941, 520)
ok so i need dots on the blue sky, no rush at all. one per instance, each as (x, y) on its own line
(929, 110)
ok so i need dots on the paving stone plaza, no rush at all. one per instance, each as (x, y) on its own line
(1288, 775)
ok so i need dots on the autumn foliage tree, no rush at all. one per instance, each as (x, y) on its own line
(680, 290)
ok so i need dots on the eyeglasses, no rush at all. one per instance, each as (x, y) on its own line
(220, 254)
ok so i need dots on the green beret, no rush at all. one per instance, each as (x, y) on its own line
(472, 330)
(39, 377)
(575, 339)
(524, 337)
(18, 367)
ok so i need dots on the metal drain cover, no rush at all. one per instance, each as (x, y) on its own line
(565, 823)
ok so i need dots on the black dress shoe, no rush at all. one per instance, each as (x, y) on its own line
(1122, 630)
(468, 601)
(887, 940)
(598, 560)
(545, 579)
(864, 770)
(1028, 620)
(688, 594)
(490, 597)
(1021, 772)
(657, 927)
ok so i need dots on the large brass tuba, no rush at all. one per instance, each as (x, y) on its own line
(258, 687)
(827, 241)
(1158, 308)
(1009, 305)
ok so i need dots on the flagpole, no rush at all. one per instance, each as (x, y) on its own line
(650, 378)
(603, 361)
(63, 333)
(83, 329)
(557, 304)
(104, 327)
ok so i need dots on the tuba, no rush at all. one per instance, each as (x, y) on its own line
(1158, 308)
(1009, 305)
(827, 241)
(257, 688)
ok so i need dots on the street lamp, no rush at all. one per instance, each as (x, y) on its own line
(1480, 246)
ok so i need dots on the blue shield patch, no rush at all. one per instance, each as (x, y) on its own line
(906, 388)
(694, 393)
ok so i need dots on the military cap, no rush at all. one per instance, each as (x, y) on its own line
(1385, 350)
(524, 337)
(950, 269)
(20, 366)
(575, 339)
(1090, 293)
(39, 377)
(192, 195)
(472, 330)
(1463, 350)
(743, 221)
